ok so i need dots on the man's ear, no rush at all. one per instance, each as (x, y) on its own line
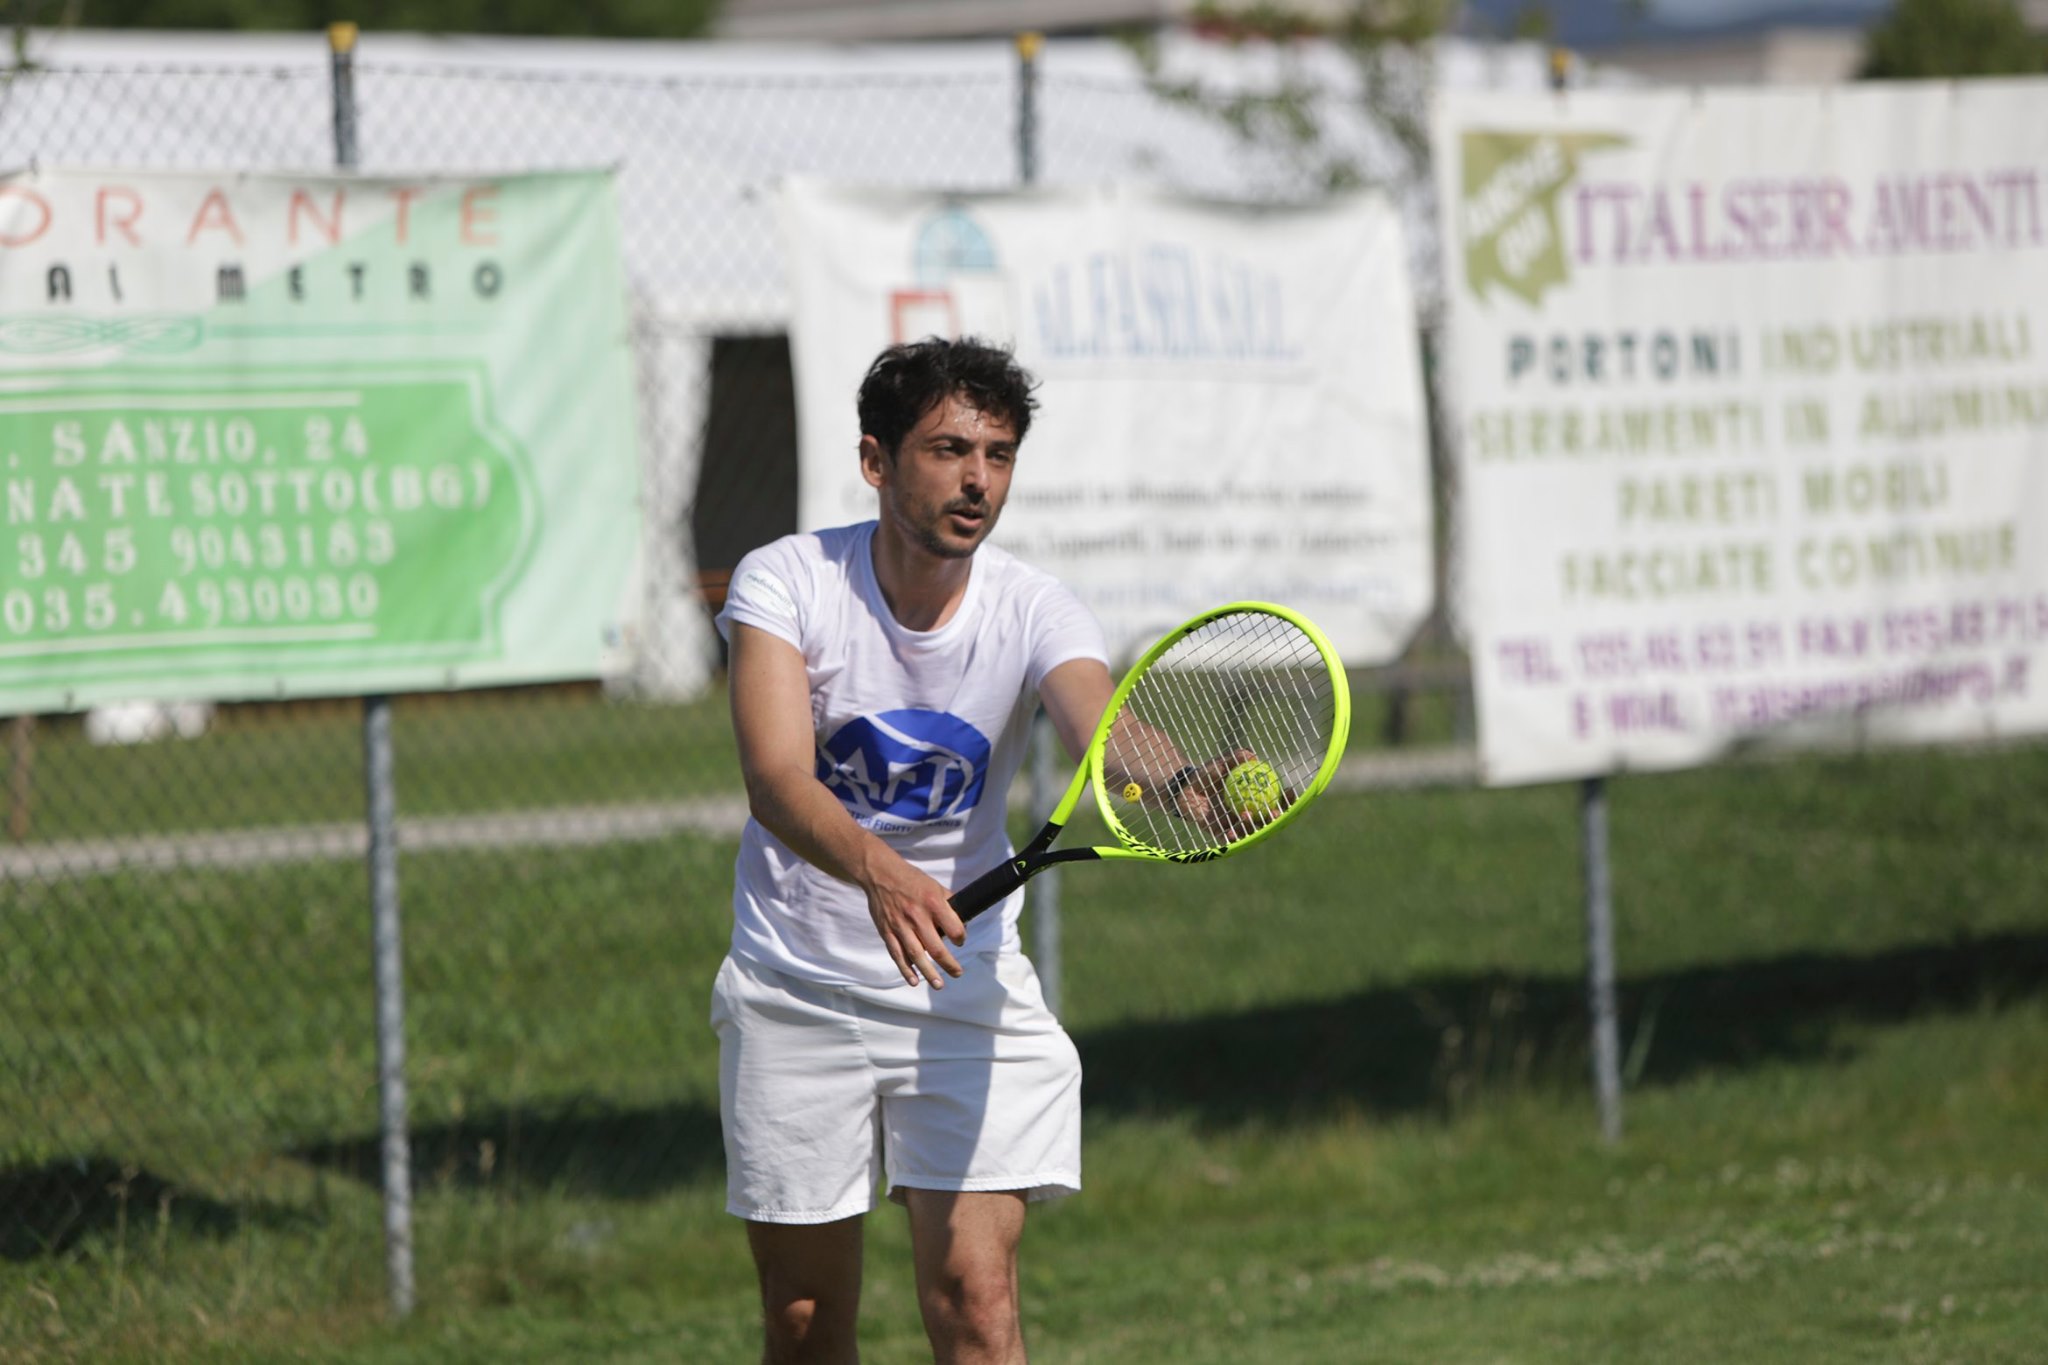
(873, 462)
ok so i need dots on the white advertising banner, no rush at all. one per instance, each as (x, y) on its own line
(1751, 425)
(1231, 402)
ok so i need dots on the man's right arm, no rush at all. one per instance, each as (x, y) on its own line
(771, 720)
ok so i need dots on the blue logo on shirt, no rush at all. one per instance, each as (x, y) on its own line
(905, 768)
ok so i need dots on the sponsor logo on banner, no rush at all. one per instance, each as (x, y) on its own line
(906, 770)
(1528, 216)
(959, 287)
(115, 245)
(1160, 301)
(1164, 303)
(1508, 215)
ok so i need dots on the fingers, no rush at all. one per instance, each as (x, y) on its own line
(929, 965)
(916, 929)
(1207, 804)
(1209, 812)
(924, 962)
(1217, 814)
(902, 958)
(923, 959)
(933, 956)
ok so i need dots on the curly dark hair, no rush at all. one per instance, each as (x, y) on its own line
(907, 380)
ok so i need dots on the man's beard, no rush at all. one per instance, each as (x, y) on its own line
(929, 537)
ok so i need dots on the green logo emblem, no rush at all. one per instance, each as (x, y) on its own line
(1507, 209)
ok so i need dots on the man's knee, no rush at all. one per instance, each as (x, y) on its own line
(977, 1307)
(810, 1290)
(807, 1329)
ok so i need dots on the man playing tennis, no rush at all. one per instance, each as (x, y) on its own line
(883, 679)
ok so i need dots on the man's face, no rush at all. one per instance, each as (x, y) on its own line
(945, 485)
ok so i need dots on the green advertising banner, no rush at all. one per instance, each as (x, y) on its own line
(267, 436)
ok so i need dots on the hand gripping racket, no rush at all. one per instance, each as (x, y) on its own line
(1221, 734)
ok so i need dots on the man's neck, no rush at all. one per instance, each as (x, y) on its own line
(922, 590)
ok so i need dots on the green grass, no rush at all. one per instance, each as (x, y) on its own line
(1336, 1104)
(511, 749)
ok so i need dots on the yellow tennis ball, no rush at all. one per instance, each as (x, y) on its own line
(1253, 788)
(1132, 791)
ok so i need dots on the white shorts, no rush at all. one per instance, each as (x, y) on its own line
(826, 1090)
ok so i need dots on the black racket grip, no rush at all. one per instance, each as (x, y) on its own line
(988, 889)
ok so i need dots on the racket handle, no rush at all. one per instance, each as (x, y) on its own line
(988, 889)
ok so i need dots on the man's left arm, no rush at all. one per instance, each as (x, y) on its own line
(1077, 693)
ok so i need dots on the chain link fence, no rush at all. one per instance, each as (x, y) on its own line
(189, 1124)
(188, 1072)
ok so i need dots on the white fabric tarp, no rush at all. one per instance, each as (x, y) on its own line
(1231, 403)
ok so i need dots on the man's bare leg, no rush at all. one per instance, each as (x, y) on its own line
(810, 1291)
(965, 1247)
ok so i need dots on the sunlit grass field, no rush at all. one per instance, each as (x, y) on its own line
(1337, 1097)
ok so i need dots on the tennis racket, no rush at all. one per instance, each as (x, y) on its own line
(1220, 735)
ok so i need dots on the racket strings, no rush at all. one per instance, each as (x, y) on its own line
(1246, 681)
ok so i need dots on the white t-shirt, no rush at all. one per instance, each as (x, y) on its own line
(918, 733)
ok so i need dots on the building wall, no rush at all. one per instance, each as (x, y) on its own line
(897, 20)
(1783, 56)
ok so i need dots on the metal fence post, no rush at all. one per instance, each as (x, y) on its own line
(1600, 955)
(1028, 45)
(388, 955)
(1599, 892)
(21, 759)
(1045, 888)
(389, 959)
